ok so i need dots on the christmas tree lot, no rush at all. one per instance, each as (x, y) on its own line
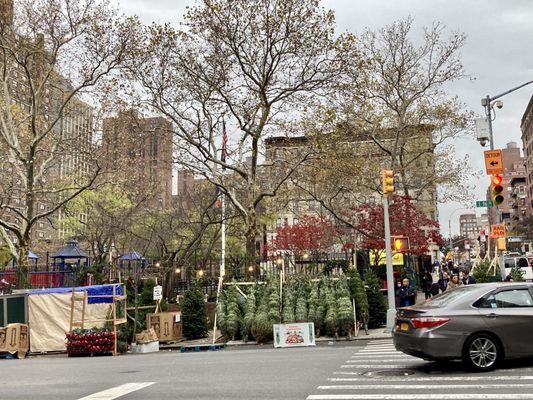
(251, 312)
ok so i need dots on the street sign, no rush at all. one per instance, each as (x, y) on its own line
(158, 292)
(493, 162)
(497, 231)
(484, 203)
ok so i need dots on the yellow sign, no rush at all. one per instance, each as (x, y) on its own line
(497, 231)
(493, 162)
(397, 258)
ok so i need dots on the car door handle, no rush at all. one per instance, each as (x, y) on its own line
(492, 315)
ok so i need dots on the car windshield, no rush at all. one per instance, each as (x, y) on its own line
(444, 299)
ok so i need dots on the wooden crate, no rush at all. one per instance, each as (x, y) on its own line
(165, 326)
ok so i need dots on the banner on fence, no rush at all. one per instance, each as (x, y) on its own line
(294, 335)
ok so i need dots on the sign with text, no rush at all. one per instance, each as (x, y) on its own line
(158, 292)
(497, 231)
(294, 335)
(484, 203)
(493, 162)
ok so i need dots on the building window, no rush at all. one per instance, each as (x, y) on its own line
(41, 206)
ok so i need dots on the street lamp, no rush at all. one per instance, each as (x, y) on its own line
(450, 224)
(489, 103)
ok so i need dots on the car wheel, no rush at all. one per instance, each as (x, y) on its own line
(482, 352)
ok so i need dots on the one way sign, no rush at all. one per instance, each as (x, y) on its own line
(493, 162)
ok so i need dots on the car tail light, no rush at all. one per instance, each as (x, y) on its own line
(428, 322)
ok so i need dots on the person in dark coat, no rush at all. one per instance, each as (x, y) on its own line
(406, 294)
(426, 283)
(467, 279)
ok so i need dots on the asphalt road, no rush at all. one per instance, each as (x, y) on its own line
(363, 370)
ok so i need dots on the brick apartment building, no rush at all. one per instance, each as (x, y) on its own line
(527, 140)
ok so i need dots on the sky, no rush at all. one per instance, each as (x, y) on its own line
(497, 56)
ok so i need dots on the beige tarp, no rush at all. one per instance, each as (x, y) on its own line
(49, 319)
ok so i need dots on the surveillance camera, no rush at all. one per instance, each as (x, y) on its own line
(483, 142)
(499, 104)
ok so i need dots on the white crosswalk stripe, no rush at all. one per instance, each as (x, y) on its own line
(358, 379)
(117, 391)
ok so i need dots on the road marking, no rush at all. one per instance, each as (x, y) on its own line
(380, 386)
(117, 391)
(362, 352)
(431, 378)
(384, 356)
(373, 366)
(425, 396)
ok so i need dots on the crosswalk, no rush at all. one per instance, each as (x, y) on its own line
(380, 372)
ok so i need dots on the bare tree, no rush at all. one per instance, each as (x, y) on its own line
(398, 115)
(53, 54)
(255, 67)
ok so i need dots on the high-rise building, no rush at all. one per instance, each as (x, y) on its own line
(142, 149)
(527, 141)
(468, 226)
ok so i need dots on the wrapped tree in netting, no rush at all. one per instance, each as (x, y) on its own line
(302, 295)
(249, 314)
(316, 312)
(377, 307)
(344, 308)
(233, 320)
(331, 320)
(288, 302)
(358, 293)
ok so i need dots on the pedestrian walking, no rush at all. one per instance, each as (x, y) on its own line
(407, 294)
(443, 281)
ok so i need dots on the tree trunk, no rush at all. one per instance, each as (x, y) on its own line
(22, 266)
(251, 234)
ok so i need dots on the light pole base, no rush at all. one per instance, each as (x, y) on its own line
(391, 318)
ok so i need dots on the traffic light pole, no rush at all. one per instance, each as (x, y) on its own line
(391, 311)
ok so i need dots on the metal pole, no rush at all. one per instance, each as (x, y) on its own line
(223, 237)
(488, 112)
(391, 312)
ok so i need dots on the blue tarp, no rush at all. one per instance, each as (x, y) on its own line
(96, 290)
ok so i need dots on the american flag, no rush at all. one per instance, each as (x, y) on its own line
(224, 142)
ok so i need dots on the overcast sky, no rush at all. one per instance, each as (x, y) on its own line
(498, 55)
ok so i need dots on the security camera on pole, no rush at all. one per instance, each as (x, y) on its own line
(387, 180)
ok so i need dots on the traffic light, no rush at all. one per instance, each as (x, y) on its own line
(387, 180)
(400, 244)
(497, 189)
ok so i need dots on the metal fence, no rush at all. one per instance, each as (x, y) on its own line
(43, 279)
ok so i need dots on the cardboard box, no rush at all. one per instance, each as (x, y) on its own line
(165, 325)
(14, 338)
(146, 336)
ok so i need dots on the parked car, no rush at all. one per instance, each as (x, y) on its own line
(520, 262)
(481, 324)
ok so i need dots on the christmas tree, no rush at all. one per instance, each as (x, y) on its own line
(193, 313)
(358, 293)
(314, 314)
(249, 313)
(233, 320)
(288, 302)
(331, 320)
(377, 308)
(302, 294)
(344, 308)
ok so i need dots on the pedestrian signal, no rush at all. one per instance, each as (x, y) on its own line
(400, 244)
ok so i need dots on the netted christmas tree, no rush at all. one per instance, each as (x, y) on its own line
(358, 293)
(288, 302)
(315, 313)
(302, 295)
(193, 313)
(377, 308)
(268, 313)
(344, 308)
(233, 316)
(249, 314)
(331, 319)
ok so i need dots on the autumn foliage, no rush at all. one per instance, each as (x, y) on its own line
(310, 235)
(405, 220)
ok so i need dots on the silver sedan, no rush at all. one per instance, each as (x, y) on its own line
(480, 324)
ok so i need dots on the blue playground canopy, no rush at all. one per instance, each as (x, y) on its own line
(132, 259)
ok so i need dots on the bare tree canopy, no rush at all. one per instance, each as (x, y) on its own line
(254, 67)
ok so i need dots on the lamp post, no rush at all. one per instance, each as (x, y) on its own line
(489, 102)
(450, 224)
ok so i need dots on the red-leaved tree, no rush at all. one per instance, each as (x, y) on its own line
(405, 220)
(311, 235)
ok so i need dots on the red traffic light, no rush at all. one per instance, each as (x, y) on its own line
(497, 180)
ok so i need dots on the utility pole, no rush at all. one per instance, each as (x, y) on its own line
(387, 177)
